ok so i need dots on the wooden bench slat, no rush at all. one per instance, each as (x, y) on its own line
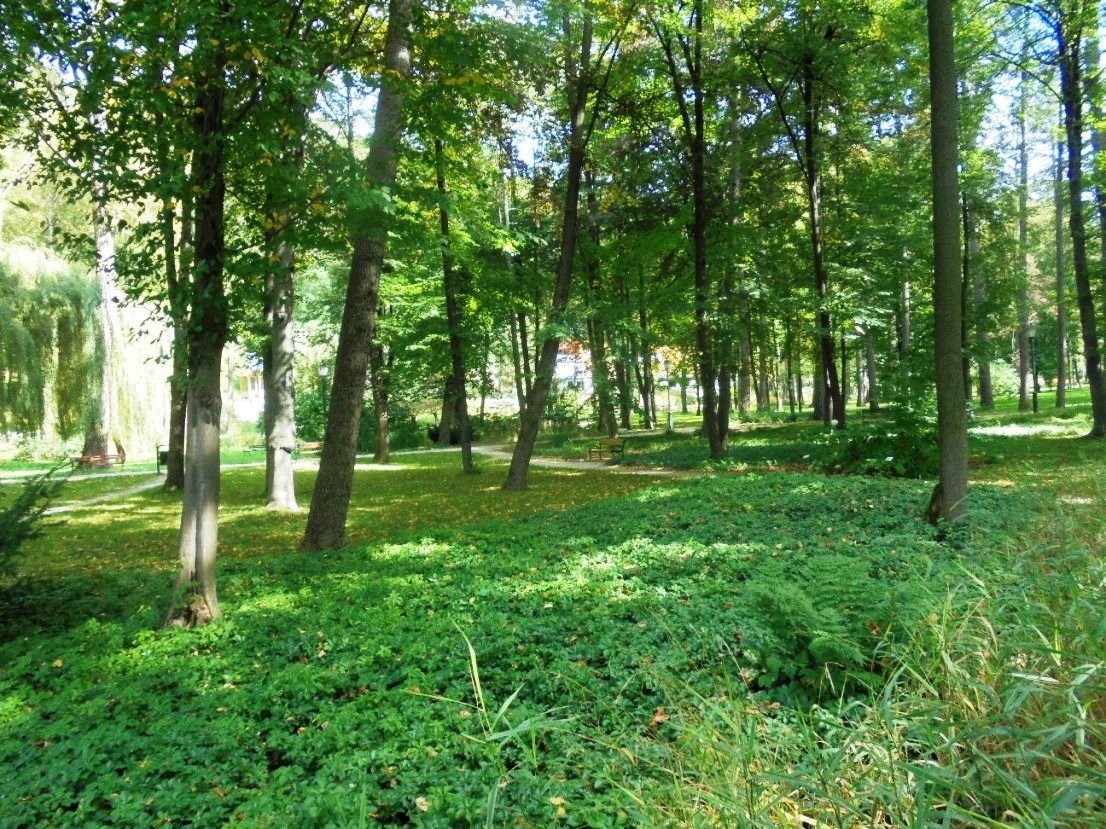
(611, 446)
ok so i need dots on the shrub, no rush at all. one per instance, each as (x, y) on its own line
(902, 445)
(21, 521)
(404, 432)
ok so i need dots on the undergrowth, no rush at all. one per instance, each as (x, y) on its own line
(767, 649)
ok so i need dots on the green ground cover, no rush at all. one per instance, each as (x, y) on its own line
(753, 649)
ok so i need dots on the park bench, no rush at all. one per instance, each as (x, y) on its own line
(311, 446)
(611, 447)
(92, 461)
(257, 447)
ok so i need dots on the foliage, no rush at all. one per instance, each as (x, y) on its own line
(45, 349)
(403, 430)
(21, 520)
(902, 444)
(723, 650)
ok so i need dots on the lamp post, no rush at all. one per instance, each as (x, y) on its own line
(1031, 331)
(324, 372)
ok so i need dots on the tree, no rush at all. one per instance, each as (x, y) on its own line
(369, 222)
(806, 66)
(683, 53)
(948, 500)
(586, 74)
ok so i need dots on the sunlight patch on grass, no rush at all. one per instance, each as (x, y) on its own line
(1015, 430)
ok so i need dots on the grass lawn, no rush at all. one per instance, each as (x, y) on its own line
(754, 649)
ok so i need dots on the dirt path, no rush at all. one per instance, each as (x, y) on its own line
(504, 454)
(501, 453)
(151, 483)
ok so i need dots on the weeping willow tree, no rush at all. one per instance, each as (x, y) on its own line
(47, 309)
(62, 370)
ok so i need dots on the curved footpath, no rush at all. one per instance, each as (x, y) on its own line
(501, 453)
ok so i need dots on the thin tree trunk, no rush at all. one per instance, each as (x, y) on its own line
(578, 80)
(965, 279)
(453, 315)
(873, 384)
(527, 372)
(1023, 252)
(819, 409)
(177, 262)
(516, 363)
(379, 366)
(948, 500)
(1061, 288)
(745, 351)
(195, 600)
(280, 438)
(982, 337)
(600, 371)
(1071, 90)
(326, 521)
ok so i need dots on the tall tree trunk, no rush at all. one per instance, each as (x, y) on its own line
(873, 380)
(326, 521)
(527, 371)
(1023, 249)
(379, 366)
(516, 363)
(1098, 161)
(578, 80)
(195, 600)
(811, 132)
(905, 336)
(982, 337)
(745, 350)
(453, 315)
(280, 438)
(178, 260)
(517, 321)
(690, 48)
(1061, 288)
(763, 402)
(622, 382)
(1071, 90)
(965, 279)
(948, 500)
(820, 409)
(597, 335)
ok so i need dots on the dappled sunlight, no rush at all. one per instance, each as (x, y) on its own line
(1022, 430)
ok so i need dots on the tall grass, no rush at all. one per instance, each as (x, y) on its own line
(994, 714)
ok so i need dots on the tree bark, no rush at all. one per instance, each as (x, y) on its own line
(326, 521)
(378, 379)
(1061, 288)
(177, 262)
(1071, 91)
(195, 600)
(873, 384)
(982, 337)
(1023, 250)
(453, 316)
(280, 417)
(965, 278)
(600, 371)
(577, 84)
(948, 500)
(694, 130)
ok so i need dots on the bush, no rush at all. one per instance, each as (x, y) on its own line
(21, 521)
(404, 432)
(902, 445)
